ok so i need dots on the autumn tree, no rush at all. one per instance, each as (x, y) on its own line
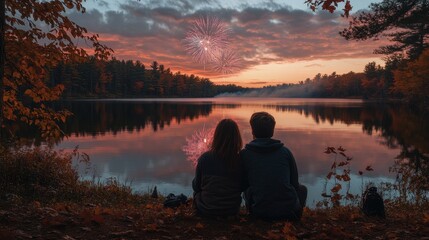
(36, 36)
(404, 23)
(412, 81)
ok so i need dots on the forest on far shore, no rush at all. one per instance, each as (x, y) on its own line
(120, 78)
(94, 78)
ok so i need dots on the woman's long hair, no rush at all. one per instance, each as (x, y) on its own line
(227, 142)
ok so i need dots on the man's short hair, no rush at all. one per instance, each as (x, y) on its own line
(262, 124)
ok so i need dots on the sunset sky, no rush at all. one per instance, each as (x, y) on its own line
(279, 41)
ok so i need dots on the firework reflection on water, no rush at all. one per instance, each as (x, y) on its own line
(198, 144)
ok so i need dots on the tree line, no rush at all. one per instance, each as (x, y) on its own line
(400, 78)
(120, 78)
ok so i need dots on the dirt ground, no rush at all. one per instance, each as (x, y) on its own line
(152, 221)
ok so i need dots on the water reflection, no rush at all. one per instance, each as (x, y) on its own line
(143, 140)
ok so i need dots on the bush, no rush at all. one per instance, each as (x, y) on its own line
(37, 173)
(42, 174)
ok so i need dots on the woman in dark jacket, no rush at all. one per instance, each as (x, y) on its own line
(218, 181)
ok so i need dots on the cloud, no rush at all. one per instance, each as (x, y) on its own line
(102, 3)
(313, 65)
(262, 33)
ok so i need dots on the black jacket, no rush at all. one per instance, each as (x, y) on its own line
(273, 179)
(217, 189)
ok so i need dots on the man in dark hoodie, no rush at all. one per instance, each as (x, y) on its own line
(274, 192)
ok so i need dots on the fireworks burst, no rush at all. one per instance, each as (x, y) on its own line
(226, 62)
(207, 36)
(198, 144)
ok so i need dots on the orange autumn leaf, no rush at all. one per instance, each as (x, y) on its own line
(199, 226)
(426, 218)
(149, 206)
(288, 231)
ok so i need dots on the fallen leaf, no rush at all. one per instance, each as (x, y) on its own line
(426, 218)
(199, 226)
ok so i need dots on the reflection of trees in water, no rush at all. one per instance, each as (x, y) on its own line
(101, 117)
(398, 125)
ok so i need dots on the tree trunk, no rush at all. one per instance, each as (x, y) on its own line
(2, 60)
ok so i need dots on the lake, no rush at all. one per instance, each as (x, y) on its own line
(142, 140)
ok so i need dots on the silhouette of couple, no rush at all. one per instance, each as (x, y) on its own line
(265, 171)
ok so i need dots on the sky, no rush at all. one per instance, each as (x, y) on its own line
(276, 41)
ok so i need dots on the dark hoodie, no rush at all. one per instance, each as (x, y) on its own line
(217, 190)
(273, 179)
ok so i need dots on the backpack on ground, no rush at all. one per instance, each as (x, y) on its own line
(372, 203)
(173, 201)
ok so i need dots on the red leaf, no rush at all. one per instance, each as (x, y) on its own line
(334, 165)
(336, 188)
(346, 178)
(360, 172)
(347, 8)
(341, 149)
(369, 168)
(329, 175)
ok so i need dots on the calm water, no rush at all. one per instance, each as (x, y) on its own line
(142, 140)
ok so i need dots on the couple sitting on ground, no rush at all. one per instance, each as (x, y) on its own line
(264, 170)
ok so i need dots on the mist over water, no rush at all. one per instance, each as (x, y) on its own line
(283, 91)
